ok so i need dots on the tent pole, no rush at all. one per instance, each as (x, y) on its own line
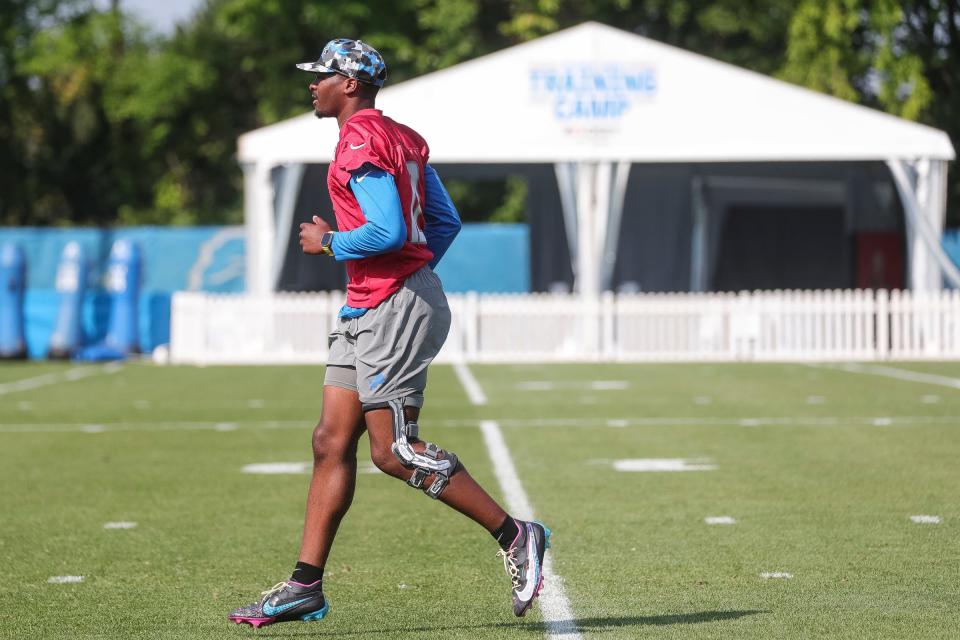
(601, 219)
(599, 196)
(587, 196)
(924, 206)
(290, 179)
(566, 173)
(258, 222)
(593, 208)
(698, 242)
(611, 235)
(594, 204)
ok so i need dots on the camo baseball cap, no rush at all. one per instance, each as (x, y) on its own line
(351, 58)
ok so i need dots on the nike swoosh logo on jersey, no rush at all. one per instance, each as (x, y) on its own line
(362, 144)
(532, 581)
(275, 611)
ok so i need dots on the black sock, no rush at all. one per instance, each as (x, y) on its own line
(506, 533)
(306, 573)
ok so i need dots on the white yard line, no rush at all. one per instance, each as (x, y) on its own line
(554, 605)
(657, 465)
(147, 427)
(891, 372)
(470, 384)
(536, 423)
(76, 373)
(926, 519)
(716, 421)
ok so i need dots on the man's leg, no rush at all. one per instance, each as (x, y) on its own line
(462, 492)
(331, 491)
(523, 544)
(395, 344)
(334, 472)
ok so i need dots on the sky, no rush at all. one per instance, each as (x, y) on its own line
(161, 15)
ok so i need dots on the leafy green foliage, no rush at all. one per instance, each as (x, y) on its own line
(103, 122)
(57, 148)
(899, 56)
(489, 200)
(821, 53)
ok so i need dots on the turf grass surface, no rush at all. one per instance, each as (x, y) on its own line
(821, 469)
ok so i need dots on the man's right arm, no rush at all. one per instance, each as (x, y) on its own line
(441, 220)
(384, 230)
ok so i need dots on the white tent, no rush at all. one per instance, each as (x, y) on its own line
(593, 99)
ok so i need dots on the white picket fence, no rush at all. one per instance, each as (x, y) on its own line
(755, 326)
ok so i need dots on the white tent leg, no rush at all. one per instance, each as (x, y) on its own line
(287, 191)
(611, 235)
(585, 281)
(924, 207)
(932, 198)
(258, 216)
(593, 208)
(566, 182)
(698, 243)
(596, 196)
(601, 218)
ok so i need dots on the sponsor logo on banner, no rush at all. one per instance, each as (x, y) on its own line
(592, 98)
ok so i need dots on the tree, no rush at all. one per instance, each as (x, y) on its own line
(50, 120)
(103, 122)
(229, 71)
(902, 57)
(929, 33)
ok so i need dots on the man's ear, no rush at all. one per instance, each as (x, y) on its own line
(351, 86)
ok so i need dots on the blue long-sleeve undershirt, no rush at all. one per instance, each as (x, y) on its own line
(442, 222)
(385, 231)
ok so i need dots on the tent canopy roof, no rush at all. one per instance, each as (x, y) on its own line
(594, 93)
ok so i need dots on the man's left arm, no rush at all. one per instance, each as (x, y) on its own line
(442, 222)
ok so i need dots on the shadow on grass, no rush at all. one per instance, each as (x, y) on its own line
(597, 624)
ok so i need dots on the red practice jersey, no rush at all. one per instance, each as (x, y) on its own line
(370, 137)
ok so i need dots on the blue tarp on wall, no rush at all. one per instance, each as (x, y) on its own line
(483, 258)
(951, 244)
(488, 258)
(169, 254)
(213, 257)
(40, 311)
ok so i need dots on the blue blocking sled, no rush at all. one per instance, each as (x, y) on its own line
(13, 282)
(72, 277)
(124, 272)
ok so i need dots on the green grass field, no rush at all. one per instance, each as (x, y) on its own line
(822, 470)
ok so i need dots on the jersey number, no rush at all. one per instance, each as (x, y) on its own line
(416, 209)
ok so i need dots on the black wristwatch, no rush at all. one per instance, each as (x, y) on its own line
(325, 241)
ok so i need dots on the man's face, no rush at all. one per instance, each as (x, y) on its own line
(323, 89)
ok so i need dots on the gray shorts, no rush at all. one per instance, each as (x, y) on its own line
(383, 354)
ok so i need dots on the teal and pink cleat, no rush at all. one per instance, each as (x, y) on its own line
(523, 562)
(285, 602)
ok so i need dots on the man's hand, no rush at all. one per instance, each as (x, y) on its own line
(311, 233)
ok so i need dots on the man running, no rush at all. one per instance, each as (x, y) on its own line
(395, 222)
